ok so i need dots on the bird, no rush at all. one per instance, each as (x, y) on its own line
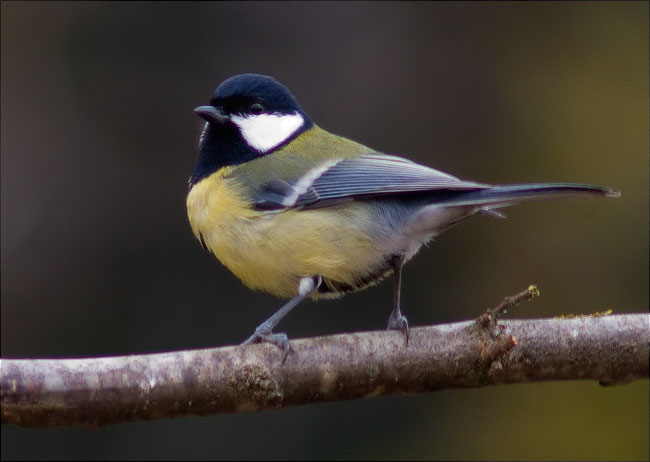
(296, 211)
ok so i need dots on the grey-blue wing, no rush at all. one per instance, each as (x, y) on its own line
(364, 176)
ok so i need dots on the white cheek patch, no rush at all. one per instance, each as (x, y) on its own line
(264, 132)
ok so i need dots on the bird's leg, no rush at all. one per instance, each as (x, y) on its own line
(264, 333)
(396, 320)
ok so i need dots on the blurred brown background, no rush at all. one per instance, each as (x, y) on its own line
(99, 138)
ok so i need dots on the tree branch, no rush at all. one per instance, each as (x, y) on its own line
(93, 392)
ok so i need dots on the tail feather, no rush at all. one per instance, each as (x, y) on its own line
(501, 196)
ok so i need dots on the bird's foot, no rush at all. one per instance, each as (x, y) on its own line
(398, 322)
(265, 335)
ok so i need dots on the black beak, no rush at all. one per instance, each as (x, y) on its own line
(211, 114)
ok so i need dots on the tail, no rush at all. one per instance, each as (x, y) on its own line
(502, 196)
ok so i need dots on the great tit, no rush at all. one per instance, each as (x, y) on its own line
(299, 212)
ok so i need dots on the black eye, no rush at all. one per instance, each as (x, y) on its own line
(256, 108)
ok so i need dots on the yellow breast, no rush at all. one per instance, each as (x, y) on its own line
(271, 251)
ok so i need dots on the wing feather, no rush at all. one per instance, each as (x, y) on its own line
(363, 176)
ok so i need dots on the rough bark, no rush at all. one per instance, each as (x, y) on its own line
(94, 392)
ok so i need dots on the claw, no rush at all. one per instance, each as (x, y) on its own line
(399, 322)
(280, 340)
